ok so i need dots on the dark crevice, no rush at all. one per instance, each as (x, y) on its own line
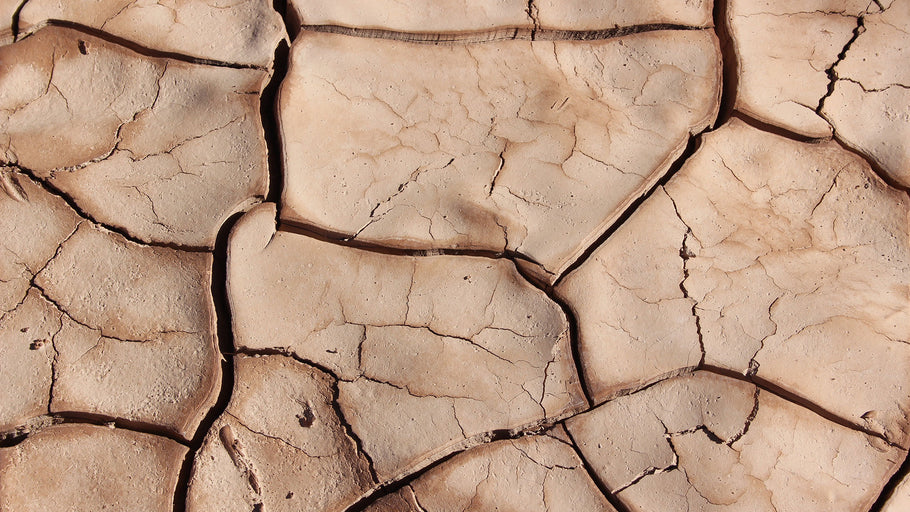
(601, 485)
(729, 60)
(336, 406)
(832, 69)
(393, 486)
(572, 321)
(349, 431)
(133, 46)
(580, 371)
(776, 130)
(795, 399)
(268, 110)
(691, 147)
(499, 34)
(346, 240)
(533, 14)
(17, 435)
(14, 22)
(52, 189)
(14, 437)
(226, 345)
(225, 340)
(756, 402)
(291, 17)
(876, 168)
(888, 490)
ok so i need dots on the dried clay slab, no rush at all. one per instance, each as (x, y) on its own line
(431, 352)
(7, 11)
(708, 443)
(423, 16)
(870, 104)
(782, 79)
(279, 445)
(96, 324)
(242, 32)
(784, 261)
(536, 473)
(85, 467)
(527, 147)
(829, 72)
(158, 148)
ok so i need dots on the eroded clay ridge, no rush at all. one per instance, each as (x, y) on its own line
(549, 255)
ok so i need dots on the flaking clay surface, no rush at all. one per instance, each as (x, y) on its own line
(706, 442)
(412, 256)
(533, 473)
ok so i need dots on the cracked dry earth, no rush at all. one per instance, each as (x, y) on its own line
(413, 256)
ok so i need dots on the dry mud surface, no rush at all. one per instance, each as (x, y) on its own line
(414, 256)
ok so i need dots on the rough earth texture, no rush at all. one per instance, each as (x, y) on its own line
(402, 256)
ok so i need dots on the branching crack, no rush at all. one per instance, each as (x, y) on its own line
(275, 438)
(748, 423)
(686, 254)
(831, 72)
(534, 14)
(401, 188)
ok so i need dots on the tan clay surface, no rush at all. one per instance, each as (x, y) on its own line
(162, 149)
(492, 146)
(299, 456)
(901, 498)
(83, 467)
(706, 442)
(462, 343)
(236, 31)
(421, 16)
(413, 256)
(766, 259)
(533, 473)
(83, 307)
(836, 71)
